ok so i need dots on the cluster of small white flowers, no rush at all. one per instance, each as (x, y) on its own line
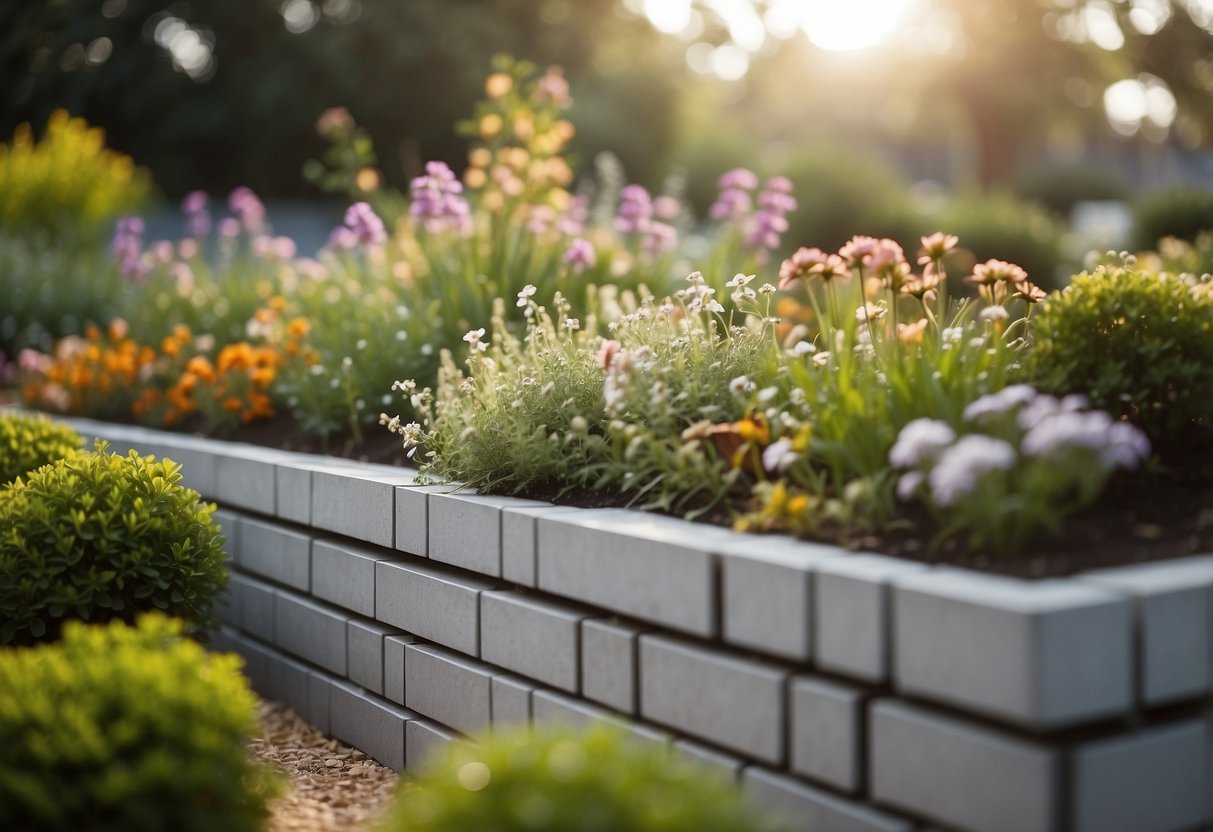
(960, 467)
(1115, 444)
(475, 338)
(996, 404)
(411, 433)
(920, 441)
(779, 456)
(742, 387)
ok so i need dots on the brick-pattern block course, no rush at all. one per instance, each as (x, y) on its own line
(433, 603)
(827, 732)
(465, 529)
(365, 643)
(510, 701)
(358, 501)
(255, 602)
(312, 631)
(423, 740)
(246, 477)
(609, 663)
(280, 554)
(536, 638)
(519, 542)
(344, 574)
(550, 707)
(448, 688)
(735, 703)
(393, 666)
(809, 809)
(368, 723)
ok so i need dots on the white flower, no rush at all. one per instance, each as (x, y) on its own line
(994, 313)
(742, 386)
(920, 441)
(695, 278)
(960, 467)
(474, 337)
(572, 324)
(803, 348)
(952, 334)
(779, 456)
(996, 404)
(525, 295)
(909, 483)
(767, 289)
(821, 359)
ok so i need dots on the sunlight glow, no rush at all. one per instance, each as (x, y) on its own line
(847, 25)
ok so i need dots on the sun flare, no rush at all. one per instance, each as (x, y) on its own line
(850, 25)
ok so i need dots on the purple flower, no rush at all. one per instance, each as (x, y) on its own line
(247, 208)
(437, 201)
(920, 441)
(960, 467)
(768, 224)
(366, 226)
(732, 205)
(580, 255)
(739, 178)
(197, 217)
(572, 223)
(343, 238)
(635, 210)
(659, 238)
(127, 247)
(667, 208)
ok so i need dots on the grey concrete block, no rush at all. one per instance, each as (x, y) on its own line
(852, 632)
(358, 501)
(290, 682)
(245, 476)
(319, 698)
(256, 601)
(447, 687)
(222, 640)
(196, 457)
(465, 529)
(961, 774)
(256, 662)
(365, 646)
(433, 603)
(1173, 603)
(293, 487)
(653, 568)
(827, 732)
(808, 809)
(536, 638)
(1153, 779)
(424, 740)
(551, 708)
(227, 605)
(310, 630)
(413, 517)
(519, 546)
(369, 724)
(229, 527)
(709, 759)
(735, 703)
(275, 552)
(393, 666)
(768, 597)
(344, 574)
(1042, 654)
(511, 701)
(609, 663)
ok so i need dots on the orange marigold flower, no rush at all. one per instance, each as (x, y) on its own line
(233, 404)
(298, 327)
(118, 329)
(234, 356)
(201, 367)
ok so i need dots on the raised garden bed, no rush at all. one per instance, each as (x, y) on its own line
(855, 691)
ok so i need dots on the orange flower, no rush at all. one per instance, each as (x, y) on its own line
(201, 367)
(234, 356)
(298, 327)
(233, 404)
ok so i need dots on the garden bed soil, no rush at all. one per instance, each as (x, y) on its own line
(330, 786)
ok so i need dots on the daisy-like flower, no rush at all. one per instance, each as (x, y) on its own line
(993, 271)
(524, 297)
(742, 386)
(920, 441)
(741, 289)
(959, 469)
(779, 456)
(935, 246)
(856, 250)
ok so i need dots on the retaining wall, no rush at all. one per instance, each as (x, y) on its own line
(848, 691)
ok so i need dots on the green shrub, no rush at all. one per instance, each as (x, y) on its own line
(99, 536)
(555, 780)
(127, 728)
(998, 226)
(28, 441)
(1176, 212)
(1138, 344)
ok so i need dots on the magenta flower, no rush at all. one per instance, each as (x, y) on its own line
(635, 210)
(740, 178)
(247, 208)
(437, 201)
(368, 229)
(580, 255)
(127, 247)
(770, 221)
(197, 217)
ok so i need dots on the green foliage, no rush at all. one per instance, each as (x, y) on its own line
(1177, 212)
(99, 536)
(51, 290)
(131, 729)
(67, 185)
(1059, 187)
(29, 441)
(1139, 344)
(555, 780)
(1001, 227)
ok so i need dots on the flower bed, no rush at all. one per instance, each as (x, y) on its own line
(856, 690)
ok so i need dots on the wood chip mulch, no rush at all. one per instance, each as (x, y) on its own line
(330, 785)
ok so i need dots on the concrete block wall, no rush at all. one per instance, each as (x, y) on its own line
(843, 691)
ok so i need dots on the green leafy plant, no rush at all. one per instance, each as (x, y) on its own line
(28, 441)
(999, 226)
(99, 536)
(1177, 212)
(1059, 187)
(1139, 344)
(128, 728)
(553, 780)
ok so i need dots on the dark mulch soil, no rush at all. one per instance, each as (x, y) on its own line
(1141, 517)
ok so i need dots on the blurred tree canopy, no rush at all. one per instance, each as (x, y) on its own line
(215, 94)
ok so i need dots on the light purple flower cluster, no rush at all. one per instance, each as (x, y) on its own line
(734, 202)
(197, 217)
(248, 209)
(572, 222)
(580, 255)
(635, 217)
(365, 225)
(438, 203)
(770, 221)
(960, 467)
(127, 247)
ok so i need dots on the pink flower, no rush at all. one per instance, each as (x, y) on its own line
(856, 250)
(580, 255)
(607, 353)
(936, 246)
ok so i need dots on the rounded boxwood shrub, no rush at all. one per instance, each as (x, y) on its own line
(1138, 344)
(557, 781)
(28, 441)
(1177, 212)
(99, 536)
(1001, 227)
(127, 728)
